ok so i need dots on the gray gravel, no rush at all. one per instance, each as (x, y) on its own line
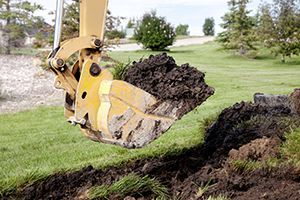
(24, 85)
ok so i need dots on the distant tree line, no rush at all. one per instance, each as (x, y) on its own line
(18, 21)
(16, 18)
(276, 27)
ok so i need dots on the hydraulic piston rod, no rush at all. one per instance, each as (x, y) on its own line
(58, 22)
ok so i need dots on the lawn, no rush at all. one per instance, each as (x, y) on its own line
(37, 143)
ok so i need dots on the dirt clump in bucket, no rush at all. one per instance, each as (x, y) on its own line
(182, 86)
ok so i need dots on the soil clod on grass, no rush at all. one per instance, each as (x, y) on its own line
(232, 162)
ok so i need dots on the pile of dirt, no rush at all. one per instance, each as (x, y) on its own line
(182, 86)
(243, 131)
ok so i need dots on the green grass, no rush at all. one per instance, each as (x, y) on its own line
(220, 197)
(180, 37)
(291, 148)
(25, 51)
(130, 185)
(37, 143)
(203, 189)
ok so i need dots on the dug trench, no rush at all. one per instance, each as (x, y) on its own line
(245, 131)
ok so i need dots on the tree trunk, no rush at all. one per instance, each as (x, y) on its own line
(283, 58)
(8, 32)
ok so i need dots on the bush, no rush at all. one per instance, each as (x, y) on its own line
(154, 32)
(115, 34)
(182, 29)
(209, 27)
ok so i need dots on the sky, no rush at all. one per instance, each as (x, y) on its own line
(191, 12)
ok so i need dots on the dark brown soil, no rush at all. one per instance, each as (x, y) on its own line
(184, 173)
(178, 85)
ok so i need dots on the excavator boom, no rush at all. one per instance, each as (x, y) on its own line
(106, 110)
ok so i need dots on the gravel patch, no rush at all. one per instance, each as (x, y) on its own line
(25, 85)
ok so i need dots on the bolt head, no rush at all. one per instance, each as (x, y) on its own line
(95, 70)
(97, 43)
(60, 62)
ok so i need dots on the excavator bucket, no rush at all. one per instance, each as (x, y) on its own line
(107, 110)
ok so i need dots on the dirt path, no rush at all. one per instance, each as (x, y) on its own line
(24, 85)
(178, 43)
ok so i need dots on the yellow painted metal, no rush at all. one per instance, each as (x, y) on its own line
(119, 97)
(92, 17)
(92, 24)
(65, 80)
(87, 98)
(96, 102)
(72, 46)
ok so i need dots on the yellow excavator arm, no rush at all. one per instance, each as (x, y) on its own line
(107, 110)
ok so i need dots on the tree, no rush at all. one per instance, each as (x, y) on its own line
(72, 20)
(131, 23)
(115, 34)
(284, 37)
(239, 28)
(17, 16)
(266, 28)
(154, 32)
(209, 27)
(182, 29)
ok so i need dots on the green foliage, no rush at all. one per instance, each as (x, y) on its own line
(266, 28)
(40, 40)
(246, 165)
(203, 189)
(279, 27)
(154, 32)
(220, 197)
(239, 28)
(114, 34)
(291, 148)
(182, 29)
(131, 23)
(119, 70)
(18, 16)
(130, 185)
(209, 27)
(71, 21)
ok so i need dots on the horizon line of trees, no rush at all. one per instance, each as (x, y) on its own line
(276, 27)
(17, 19)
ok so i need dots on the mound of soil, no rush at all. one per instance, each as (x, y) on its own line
(247, 129)
(182, 86)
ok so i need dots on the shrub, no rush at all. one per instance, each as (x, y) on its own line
(209, 27)
(182, 29)
(115, 34)
(154, 32)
